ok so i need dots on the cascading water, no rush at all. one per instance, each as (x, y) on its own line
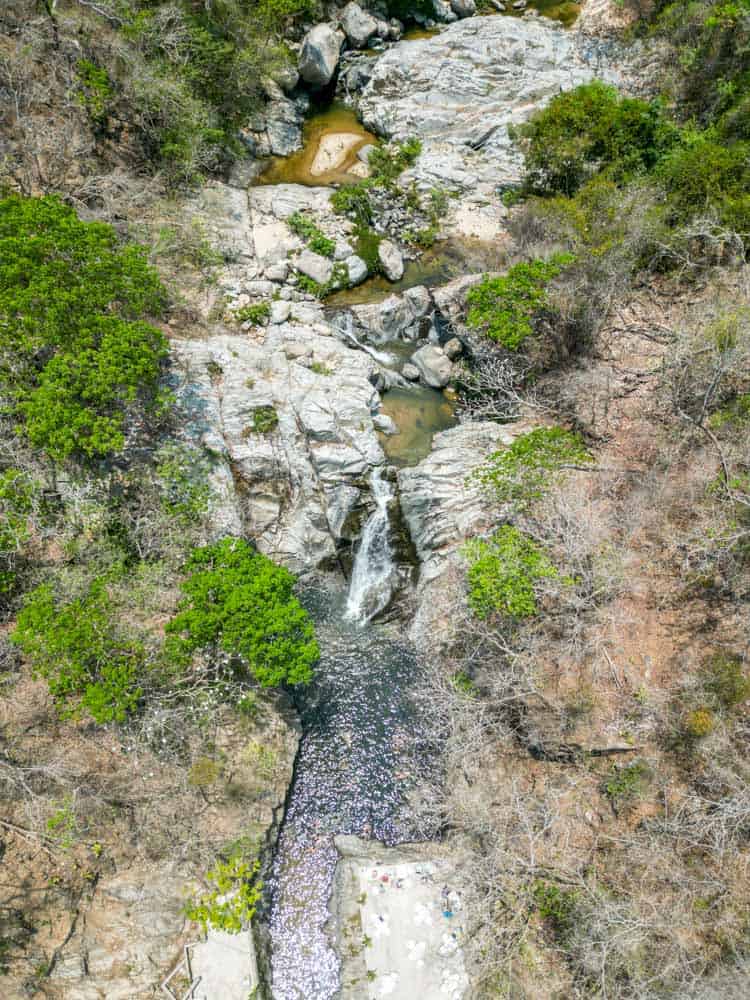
(360, 759)
(373, 574)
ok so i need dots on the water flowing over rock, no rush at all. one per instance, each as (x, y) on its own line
(459, 91)
(373, 575)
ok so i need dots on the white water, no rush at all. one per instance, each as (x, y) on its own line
(382, 357)
(374, 571)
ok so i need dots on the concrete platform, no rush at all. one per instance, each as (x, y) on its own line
(399, 923)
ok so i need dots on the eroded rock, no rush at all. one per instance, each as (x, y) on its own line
(319, 55)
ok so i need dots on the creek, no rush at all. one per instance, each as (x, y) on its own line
(361, 750)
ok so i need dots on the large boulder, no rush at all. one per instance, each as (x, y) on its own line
(435, 368)
(319, 56)
(391, 260)
(358, 25)
(314, 266)
(460, 90)
(399, 317)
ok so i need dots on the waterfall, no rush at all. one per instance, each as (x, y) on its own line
(382, 357)
(374, 571)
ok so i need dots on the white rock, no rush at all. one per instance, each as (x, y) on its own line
(385, 424)
(391, 260)
(357, 269)
(410, 372)
(358, 25)
(314, 266)
(280, 311)
(278, 271)
(435, 369)
(453, 348)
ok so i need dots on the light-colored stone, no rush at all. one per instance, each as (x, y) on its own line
(463, 8)
(460, 90)
(356, 268)
(435, 369)
(391, 260)
(404, 317)
(385, 424)
(410, 372)
(278, 271)
(319, 56)
(333, 151)
(453, 348)
(280, 311)
(315, 266)
(358, 25)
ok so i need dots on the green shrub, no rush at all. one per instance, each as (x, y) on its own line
(237, 600)
(555, 905)
(354, 200)
(313, 236)
(386, 163)
(698, 724)
(77, 362)
(18, 493)
(265, 420)
(256, 312)
(724, 677)
(504, 308)
(587, 129)
(231, 902)
(74, 646)
(96, 90)
(626, 784)
(528, 468)
(183, 480)
(503, 574)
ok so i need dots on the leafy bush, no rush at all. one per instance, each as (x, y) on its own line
(503, 574)
(386, 163)
(587, 129)
(504, 308)
(183, 480)
(231, 902)
(555, 905)
(17, 495)
(265, 420)
(96, 89)
(312, 234)
(626, 784)
(74, 646)
(237, 600)
(77, 361)
(354, 200)
(698, 724)
(256, 313)
(724, 677)
(528, 468)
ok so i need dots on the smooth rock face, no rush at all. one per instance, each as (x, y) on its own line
(319, 56)
(460, 90)
(358, 25)
(332, 152)
(435, 369)
(391, 260)
(314, 266)
(301, 480)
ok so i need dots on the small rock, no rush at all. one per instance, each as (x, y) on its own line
(280, 311)
(278, 271)
(363, 154)
(357, 269)
(358, 25)
(435, 368)
(410, 372)
(383, 423)
(260, 289)
(453, 348)
(320, 55)
(519, 5)
(391, 260)
(297, 350)
(463, 8)
(342, 251)
(314, 266)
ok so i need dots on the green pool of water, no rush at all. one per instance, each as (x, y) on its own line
(565, 13)
(337, 119)
(419, 413)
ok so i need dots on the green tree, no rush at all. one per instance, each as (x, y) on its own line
(77, 360)
(504, 572)
(239, 601)
(74, 646)
(504, 308)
